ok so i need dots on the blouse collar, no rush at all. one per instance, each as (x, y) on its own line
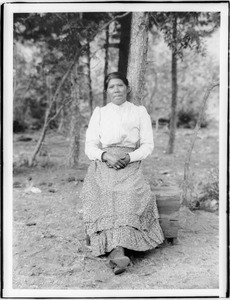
(123, 105)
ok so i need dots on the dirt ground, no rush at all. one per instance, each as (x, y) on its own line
(49, 250)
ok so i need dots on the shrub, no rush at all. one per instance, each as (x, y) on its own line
(19, 126)
(187, 118)
(205, 194)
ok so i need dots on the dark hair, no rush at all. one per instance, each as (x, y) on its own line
(115, 75)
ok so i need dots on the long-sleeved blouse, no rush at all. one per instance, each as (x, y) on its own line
(125, 125)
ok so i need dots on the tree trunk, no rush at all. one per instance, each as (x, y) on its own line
(189, 152)
(89, 78)
(151, 98)
(124, 43)
(172, 128)
(106, 62)
(46, 123)
(75, 117)
(138, 55)
(39, 144)
(61, 122)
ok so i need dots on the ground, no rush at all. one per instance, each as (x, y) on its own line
(49, 250)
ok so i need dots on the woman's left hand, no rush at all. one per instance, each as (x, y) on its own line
(125, 159)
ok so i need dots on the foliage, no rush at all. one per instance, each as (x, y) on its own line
(36, 74)
(51, 42)
(204, 194)
(192, 27)
(187, 118)
(54, 39)
(194, 72)
(66, 32)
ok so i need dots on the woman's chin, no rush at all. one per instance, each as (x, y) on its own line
(118, 101)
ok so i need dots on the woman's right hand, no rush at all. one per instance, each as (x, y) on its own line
(114, 161)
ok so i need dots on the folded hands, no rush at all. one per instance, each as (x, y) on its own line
(114, 161)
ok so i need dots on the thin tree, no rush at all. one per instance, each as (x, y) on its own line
(193, 139)
(182, 30)
(106, 61)
(89, 76)
(75, 119)
(172, 128)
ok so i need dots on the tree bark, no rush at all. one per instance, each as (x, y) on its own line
(106, 62)
(61, 122)
(89, 78)
(172, 127)
(189, 152)
(124, 43)
(75, 117)
(138, 55)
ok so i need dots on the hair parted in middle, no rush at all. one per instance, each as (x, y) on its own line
(115, 75)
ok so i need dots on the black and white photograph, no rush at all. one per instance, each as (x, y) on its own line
(115, 120)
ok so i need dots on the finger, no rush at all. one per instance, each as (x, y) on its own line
(123, 157)
(121, 163)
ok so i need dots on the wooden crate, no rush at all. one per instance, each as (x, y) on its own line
(168, 203)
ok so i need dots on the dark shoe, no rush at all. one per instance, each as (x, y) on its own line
(118, 270)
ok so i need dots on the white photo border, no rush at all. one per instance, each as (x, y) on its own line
(55, 7)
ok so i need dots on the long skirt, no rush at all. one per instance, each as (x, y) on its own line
(119, 208)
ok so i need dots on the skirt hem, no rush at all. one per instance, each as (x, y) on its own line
(127, 237)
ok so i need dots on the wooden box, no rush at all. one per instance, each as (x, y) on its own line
(168, 203)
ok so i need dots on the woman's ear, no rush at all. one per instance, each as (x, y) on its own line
(128, 90)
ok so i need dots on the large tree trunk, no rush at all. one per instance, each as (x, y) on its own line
(106, 61)
(75, 120)
(138, 55)
(172, 129)
(124, 43)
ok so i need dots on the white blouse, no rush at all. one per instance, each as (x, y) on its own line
(125, 125)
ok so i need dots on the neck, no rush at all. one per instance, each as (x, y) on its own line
(118, 104)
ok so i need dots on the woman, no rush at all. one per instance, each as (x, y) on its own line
(119, 209)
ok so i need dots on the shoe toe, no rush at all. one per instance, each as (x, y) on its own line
(118, 270)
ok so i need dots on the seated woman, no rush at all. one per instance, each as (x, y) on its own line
(119, 209)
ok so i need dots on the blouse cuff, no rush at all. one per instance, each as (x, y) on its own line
(94, 153)
(102, 159)
(99, 153)
(133, 157)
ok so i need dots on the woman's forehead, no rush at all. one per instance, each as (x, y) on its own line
(115, 81)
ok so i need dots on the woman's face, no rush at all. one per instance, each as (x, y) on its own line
(117, 91)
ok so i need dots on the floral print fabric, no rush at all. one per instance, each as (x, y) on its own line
(119, 208)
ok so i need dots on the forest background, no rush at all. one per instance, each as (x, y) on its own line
(60, 62)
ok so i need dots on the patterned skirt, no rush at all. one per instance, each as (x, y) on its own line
(119, 208)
